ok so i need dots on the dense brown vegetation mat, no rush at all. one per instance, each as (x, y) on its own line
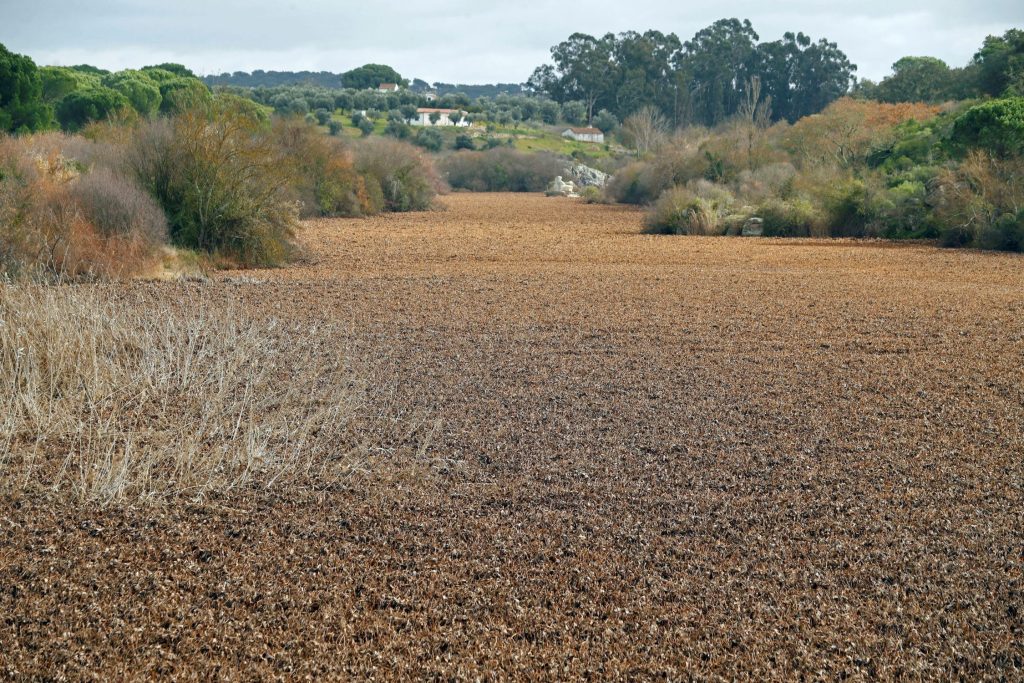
(632, 456)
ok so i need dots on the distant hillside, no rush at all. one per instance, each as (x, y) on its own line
(326, 79)
(475, 91)
(322, 79)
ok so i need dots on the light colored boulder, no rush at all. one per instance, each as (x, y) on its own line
(560, 188)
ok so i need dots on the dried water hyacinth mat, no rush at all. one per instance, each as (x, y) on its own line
(643, 458)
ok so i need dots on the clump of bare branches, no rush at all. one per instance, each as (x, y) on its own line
(645, 131)
(108, 401)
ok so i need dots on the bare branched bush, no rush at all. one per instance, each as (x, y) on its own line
(678, 162)
(45, 231)
(109, 402)
(773, 180)
(325, 179)
(117, 206)
(981, 203)
(645, 131)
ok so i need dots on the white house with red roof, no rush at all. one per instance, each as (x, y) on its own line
(584, 134)
(444, 117)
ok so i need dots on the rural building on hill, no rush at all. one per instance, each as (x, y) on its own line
(584, 134)
(444, 117)
(388, 87)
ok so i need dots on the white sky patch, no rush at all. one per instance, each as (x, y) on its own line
(459, 42)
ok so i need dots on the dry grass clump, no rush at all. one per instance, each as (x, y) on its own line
(107, 401)
(680, 211)
(698, 209)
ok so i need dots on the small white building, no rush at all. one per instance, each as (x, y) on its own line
(387, 87)
(430, 96)
(584, 134)
(443, 117)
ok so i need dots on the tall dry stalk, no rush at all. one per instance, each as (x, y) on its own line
(108, 401)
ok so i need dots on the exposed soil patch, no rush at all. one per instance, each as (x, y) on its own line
(626, 456)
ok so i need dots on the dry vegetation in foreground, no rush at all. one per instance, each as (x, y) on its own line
(649, 457)
(106, 400)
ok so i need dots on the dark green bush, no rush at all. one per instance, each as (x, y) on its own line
(1005, 234)
(323, 116)
(219, 177)
(82, 106)
(996, 126)
(429, 139)
(398, 130)
(501, 170)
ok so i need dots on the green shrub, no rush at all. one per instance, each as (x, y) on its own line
(592, 195)
(219, 178)
(142, 92)
(1006, 233)
(323, 174)
(902, 211)
(397, 175)
(996, 126)
(502, 170)
(790, 218)
(398, 130)
(323, 116)
(956, 236)
(847, 208)
(429, 139)
(83, 106)
(684, 211)
(22, 107)
(464, 141)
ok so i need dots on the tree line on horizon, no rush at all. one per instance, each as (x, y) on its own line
(327, 80)
(710, 78)
(597, 81)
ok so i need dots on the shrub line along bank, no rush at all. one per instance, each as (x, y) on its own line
(215, 177)
(859, 169)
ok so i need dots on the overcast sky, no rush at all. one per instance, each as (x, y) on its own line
(462, 41)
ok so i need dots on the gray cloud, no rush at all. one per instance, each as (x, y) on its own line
(457, 41)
